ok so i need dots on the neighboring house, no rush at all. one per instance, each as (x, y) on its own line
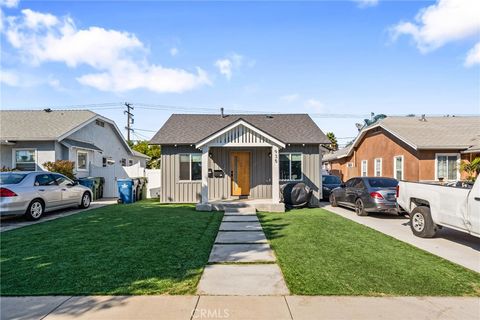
(208, 158)
(409, 148)
(29, 138)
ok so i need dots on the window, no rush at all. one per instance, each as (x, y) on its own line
(61, 180)
(104, 162)
(100, 123)
(447, 166)
(331, 180)
(378, 167)
(44, 180)
(82, 160)
(123, 162)
(291, 166)
(190, 167)
(130, 162)
(398, 167)
(364, 168)
(25, 160)
(349, 164)
(382, 183)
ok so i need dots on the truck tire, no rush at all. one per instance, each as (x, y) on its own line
(421, 222)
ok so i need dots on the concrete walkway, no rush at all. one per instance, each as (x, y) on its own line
(239, 307)
(15, 222)
(241, 261)
(456, 246)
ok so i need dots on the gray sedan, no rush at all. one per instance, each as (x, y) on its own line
(366, 194)
(33, 193)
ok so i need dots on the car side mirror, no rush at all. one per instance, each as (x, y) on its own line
(342, 185)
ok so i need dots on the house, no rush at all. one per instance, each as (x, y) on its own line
(409, 148)
(29, 138)
(211, 158)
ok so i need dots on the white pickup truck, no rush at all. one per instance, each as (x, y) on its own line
(432, 206)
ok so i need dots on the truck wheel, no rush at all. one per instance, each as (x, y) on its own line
(333, 200)
(360, 208)
(421, 222)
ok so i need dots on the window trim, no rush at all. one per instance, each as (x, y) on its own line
(349, 164)
(447, 155)
(290, 166)
(189, 167)
(87, 162)
(366, 168)
(14, 156)
(395, 166)
(375, 167)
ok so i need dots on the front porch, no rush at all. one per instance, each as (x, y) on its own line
(240, 168)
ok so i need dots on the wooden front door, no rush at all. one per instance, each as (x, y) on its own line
(240, 171)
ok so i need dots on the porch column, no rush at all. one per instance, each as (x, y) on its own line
(275, 175)
(205, 175)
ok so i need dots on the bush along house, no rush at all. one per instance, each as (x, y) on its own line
(213, 159)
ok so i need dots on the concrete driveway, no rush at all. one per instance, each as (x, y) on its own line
(458, 247)
(15, 222)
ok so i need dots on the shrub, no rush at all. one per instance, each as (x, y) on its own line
(64, 167)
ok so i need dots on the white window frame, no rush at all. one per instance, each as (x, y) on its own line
(375, 167)
(87, 162)
(447, 155)
(189, 167)
(366, 168)
(14, 156)
(290, 166)
(395, 166)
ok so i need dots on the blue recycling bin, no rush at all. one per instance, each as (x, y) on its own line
(125, 190)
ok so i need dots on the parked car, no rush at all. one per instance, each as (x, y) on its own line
(366, 194)
(34, 193)
(431, 206)
(329, 182)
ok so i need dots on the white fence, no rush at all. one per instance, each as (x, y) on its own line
(154, 182)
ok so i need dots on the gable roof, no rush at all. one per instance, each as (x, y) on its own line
(193, 128)
(455, 133)
(24, 125)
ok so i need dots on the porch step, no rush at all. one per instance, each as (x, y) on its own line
(239, 208)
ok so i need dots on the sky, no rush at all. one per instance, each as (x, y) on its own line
(336, 60)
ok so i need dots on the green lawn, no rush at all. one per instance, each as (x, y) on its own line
(142, 248)
(321, 253)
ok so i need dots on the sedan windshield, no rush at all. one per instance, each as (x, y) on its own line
(331, 180)
(382, 183)
(11, 178)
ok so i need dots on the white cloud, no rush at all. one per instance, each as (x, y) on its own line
(9, 78)
(473, 56)
(366, 3)
(232, 62)
(314, 105)
(441, 23)
(9, 3)
(173, 51)
(118, 57)
(290, 97)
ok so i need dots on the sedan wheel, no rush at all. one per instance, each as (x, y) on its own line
(34, 210)
(360, 208)
(85, 200)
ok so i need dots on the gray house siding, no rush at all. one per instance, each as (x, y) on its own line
(175, 191)
(45, 151)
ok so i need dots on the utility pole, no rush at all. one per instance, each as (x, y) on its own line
(129, 119)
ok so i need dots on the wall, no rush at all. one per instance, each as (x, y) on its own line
(220, 188)
(45, 152)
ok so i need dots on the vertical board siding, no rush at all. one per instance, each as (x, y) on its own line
(174, 191)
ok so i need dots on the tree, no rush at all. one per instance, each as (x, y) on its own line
(472, 168)
(152, 151)
(334, 144)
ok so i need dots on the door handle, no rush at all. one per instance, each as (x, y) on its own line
(477, 198)
(64, 189)
(41, 189)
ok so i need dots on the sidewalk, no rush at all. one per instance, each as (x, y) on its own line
(458, 247)
(235, 307)
(11, 223)
(241, 261)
